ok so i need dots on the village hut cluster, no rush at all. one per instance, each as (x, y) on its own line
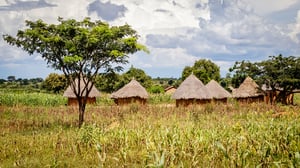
(191, 91)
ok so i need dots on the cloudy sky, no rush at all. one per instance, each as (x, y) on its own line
(177, 32)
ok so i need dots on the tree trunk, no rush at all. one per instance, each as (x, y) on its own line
(282, 97)
(81, 110)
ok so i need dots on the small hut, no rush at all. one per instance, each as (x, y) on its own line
(218, 93)
(248, 92)
(170, 90)
(191, 91)
(133, 92)
(72, 100)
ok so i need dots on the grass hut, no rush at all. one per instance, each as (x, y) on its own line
(72, 100)
(170, 90)
(191, 91)
(248, 92)
(133, 92)
(218, 93)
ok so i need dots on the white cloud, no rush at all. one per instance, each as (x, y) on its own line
(178, 32)
(295, 32)
(269, 6)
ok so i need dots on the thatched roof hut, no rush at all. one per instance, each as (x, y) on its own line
(248, 91)
(133, 92)
(72, 100)
(170, 90)
(217, 91)
(191, 90)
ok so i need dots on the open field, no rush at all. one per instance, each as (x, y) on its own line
(233, 135)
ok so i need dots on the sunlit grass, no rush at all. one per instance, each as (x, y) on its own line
(232, 135)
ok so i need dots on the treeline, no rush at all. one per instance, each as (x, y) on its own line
(278, 73)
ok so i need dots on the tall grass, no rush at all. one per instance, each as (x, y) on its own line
(232, 135)
(12, 98)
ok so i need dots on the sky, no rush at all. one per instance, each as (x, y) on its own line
(177, 32)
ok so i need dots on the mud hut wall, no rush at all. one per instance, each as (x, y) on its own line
(256, 99)
(125, 101)
(187, 102)
(74, 102)
(220, 101)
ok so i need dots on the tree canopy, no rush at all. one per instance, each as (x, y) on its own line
(55, 83)
(203, 69)
(138, 74)
(278, 73)
(79, 49)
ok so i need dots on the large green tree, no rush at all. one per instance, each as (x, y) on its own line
(241, 70)
(278, 73)
(203, 69)
(79, 49)
(281, 73)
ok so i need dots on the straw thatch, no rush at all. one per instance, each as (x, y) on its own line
(248, 88)
(132, 89)
(72, 99)
(191, 91)
(131, 92)
(192, 88)
(217, 91)
(70, 94)
(248, 91)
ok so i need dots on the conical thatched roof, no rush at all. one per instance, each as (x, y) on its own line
(191, 88)
(217, 91)
(132, 89)
(247, 89)
(69, 91)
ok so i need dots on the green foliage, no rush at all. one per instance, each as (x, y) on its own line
(156, 89)
(78, 48)
(137, 74)
(108, 82)
(203, 69)
(31, 99)
(55, 83)
(243, 69)
(278, 72)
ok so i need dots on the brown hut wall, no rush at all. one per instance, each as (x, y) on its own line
(220, 101)
(251, 99)
(187, 102)
(73, 101)
(124, 101)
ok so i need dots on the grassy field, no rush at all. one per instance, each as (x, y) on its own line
(158, 135)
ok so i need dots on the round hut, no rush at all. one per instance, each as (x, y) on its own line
(191, 91)
(248, 92)
(219, 94)
(133, 92)
(72, 99)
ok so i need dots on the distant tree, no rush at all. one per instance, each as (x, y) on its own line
(11, 78)
(243, 69)
(137, 74)
(203, 69)
(281, 73)
(25, 81)
(2, 81)
(278, 73)
(79, 49)
(156, 89)
(171, 82)
(226, 82)
(55, 83)
(108, 82)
